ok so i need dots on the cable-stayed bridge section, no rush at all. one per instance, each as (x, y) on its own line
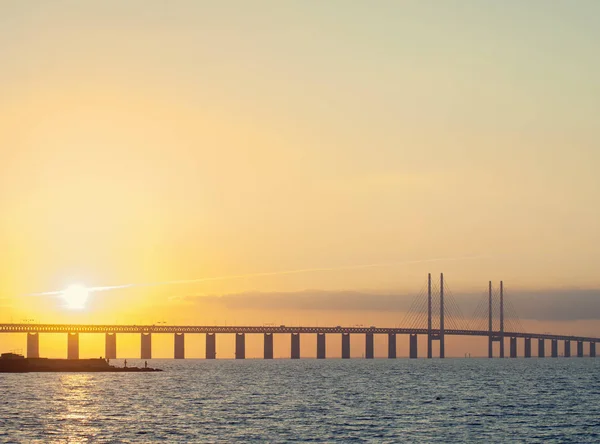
(434, 313)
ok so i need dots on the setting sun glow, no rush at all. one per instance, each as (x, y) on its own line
(75, 297)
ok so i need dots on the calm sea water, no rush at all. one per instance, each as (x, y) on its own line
(517, 400)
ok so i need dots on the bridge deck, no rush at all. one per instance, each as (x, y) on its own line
(81, 328)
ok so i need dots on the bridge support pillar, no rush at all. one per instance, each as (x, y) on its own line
(110, 346)
(413, 351)
(295, 346)
(429, 346)
(592, 349)
(392, 345)
(528, 347)
(541, 348)
(321, 354)
(554, 348)
(73, 346)
(211, 346)
(513, 347)
(580, 349)
(345, 345)
(146, 346)
(568, 349)
(240, 346)
(33, 345)
(179, 346)
(268, 352)
(369, 346)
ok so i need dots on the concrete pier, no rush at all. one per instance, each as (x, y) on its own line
(580, 349)
(412, 342)
(528, 347)
(392, 345)
(554, 348)
(321, 353)
(592, 349)
(429, 346)
(73, 346)
(295, 354)
(369, 346)
(345, 346)
(240, 346)
(179, 346)
(110, 346)
(567, 349)
(211, 346)
(146, 346)
(268, 349)
(541, 348)
(513, 347)
(33, 345)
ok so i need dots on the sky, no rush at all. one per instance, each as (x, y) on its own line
(152, 141)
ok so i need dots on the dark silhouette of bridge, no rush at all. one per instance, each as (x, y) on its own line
(432, 310)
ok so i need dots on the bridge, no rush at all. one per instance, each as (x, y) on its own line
(434, 311)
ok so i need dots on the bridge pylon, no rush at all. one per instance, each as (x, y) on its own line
(432, 310)
(495, 336)
(438, 334)
(498, 312)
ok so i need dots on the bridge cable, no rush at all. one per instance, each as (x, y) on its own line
(480, 314)
(455, 313)
(414, 310)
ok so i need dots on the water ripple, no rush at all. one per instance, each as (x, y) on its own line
(522, 400)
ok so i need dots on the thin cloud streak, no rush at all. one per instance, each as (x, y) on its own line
(264, 274)
(564, 305)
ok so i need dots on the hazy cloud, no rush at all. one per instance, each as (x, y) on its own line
(550, 305)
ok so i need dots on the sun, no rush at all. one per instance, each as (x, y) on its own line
(75, 297)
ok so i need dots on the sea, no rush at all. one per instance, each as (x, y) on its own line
(351, 401)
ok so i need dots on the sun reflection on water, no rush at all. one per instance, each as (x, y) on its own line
(79, 415)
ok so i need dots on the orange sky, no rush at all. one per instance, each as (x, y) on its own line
(202, 140)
